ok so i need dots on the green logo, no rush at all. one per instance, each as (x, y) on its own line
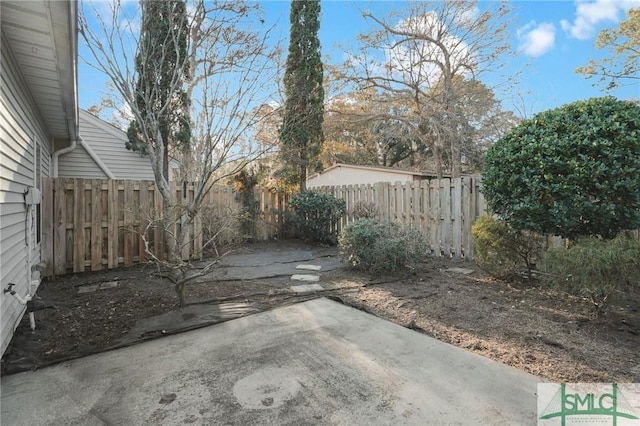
(589, 400)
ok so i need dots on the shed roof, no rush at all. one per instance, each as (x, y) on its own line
(374, 169)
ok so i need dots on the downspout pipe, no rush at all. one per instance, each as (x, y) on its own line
(88, 150)
(57, 154)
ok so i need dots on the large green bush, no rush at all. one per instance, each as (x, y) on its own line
(503, 251)
(570, 171)
(594, 268)
(315, 215)
(375, 246)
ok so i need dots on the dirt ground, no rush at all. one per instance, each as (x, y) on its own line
(552, 335)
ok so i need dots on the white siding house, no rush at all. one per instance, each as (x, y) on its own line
(38, 116)
(101, 154)
(349, 174)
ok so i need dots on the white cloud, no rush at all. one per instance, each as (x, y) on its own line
(591, 13)
(536, 40)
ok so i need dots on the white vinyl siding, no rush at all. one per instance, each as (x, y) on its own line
(108, 144)
(346, 175)
(78, 163)
(20, 126)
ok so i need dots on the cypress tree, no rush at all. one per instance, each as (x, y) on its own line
(301, 135)
(162, 54)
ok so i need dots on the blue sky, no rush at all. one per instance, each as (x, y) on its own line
(551, 37)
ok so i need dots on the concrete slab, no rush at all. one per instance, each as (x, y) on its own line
(456, 270)
(266, 265)
(305, 278)
(306, 288)
(309, 267)
(189, 317)
(88, 288)
(317, 362)
(109, 284)
(267, 258)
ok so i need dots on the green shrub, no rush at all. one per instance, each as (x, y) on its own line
(594, 268)
(315, 215)
(571, 171)
(503, 251)
(374, 246)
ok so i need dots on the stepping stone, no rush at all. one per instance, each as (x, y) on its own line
(460, 270)
(88, 288)
(306, 278)
(309, 267)
(110, 284)
(307, 288)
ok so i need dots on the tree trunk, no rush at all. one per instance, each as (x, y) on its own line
(456, 158)
(303, 178)
(165, 164)
(180, 287)
(436, 154)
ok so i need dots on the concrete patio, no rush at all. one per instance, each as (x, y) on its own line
(317, 362)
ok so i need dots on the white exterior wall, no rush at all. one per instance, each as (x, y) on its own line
(345, 175)
(21, 128)
(108, 144)
(79, 164)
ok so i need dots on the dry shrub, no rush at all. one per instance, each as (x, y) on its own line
(594, 268)
(364, 210)
(503, 251)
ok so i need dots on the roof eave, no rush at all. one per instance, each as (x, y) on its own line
(66, 44)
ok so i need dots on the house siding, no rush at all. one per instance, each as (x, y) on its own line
(78, 163)
(21, 127)
(345, 175)
(108, 143)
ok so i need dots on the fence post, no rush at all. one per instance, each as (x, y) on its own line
(456, 212)
(78, 226)
(96, 225)
(113, 230)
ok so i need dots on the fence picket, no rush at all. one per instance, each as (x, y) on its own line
(456, 213)
(60, 228)
(112, 224)
(78, 226)
(96, 225)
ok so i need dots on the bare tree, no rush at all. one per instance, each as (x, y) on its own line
(231, 62)
(417, 55)
(622, 65)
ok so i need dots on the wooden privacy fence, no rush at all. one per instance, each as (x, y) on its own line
(442, 210)
(90, 225)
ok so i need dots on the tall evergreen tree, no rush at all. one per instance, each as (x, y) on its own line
(160, 62)
(301, 135)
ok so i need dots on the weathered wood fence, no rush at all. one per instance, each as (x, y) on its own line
(90, 225)
(443, 210)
